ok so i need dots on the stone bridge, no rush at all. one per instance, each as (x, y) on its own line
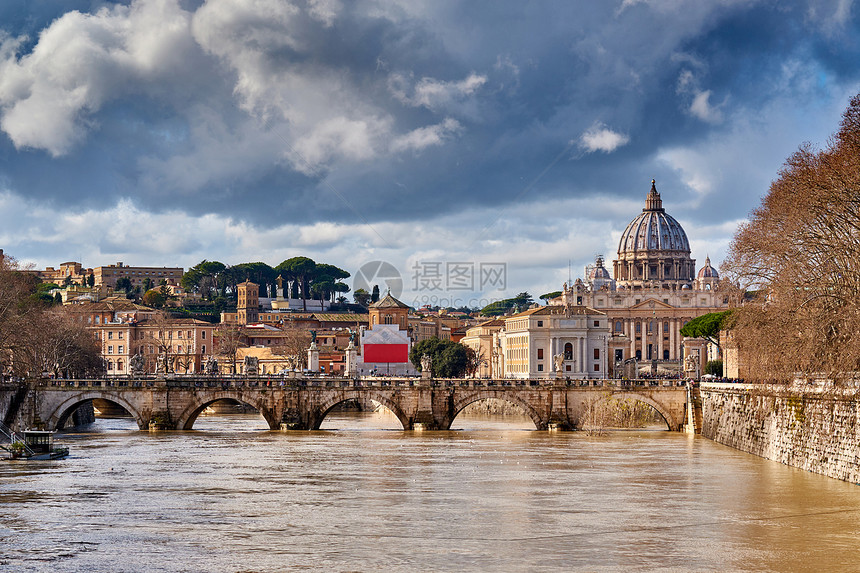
(303, 403)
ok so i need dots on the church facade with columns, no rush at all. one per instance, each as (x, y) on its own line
(608, 324)
(653, 291)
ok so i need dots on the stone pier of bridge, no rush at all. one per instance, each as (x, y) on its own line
(303, 403)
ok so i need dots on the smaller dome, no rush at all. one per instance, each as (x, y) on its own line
(598, 271)
(708, 272)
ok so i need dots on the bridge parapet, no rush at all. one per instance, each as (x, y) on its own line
(261, 382)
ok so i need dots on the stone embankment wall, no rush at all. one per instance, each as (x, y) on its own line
(812, 428)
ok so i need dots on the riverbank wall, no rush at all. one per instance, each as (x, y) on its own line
(811, 427)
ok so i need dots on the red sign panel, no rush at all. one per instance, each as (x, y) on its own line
(385, 353)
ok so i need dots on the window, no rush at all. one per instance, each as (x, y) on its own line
(203, 349)
(597, 354)
(179, 334)
(203, 334)
(110, 335)
(119, 364)
(98, 319)
(596, 323)
(568, 351)
(597, 367)
(540, 353)
(188, 334)
(540, 323)
(110, 365)
(540, 367)
(666, 326)
(638, 328)
(110, 349)
(119, 335)
(119, 349)
(567, 368)
(618, 326)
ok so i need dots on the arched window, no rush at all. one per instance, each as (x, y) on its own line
(568, 351)
(666, 326)
(119, 365)
(638, 328)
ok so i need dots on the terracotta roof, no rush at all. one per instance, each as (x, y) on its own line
(557, 310)
(388, 301)
(334, 317)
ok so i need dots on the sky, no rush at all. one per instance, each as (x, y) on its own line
(479, 149)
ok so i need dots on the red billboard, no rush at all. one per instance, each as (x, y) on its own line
(388, 353)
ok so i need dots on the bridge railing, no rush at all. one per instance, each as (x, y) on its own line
(268, 382)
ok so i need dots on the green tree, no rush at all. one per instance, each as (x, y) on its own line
(123, 284)
(550, 295)
(374, 296)
(259, 273)
(520, 302)
(714, 367)
(147, 284)
(205, 278)
(300, 270)
(449, 359)
(154, 298)
(91, 280)
(707, 326)
(361, 296)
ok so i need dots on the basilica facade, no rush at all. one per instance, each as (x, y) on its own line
(654, 289)
(606, 322)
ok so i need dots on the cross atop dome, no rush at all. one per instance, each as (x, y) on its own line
(653, 201)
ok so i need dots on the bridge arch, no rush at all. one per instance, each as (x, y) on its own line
(512, 398)
(327, 406)
(661, 409)
(57, 417)
(185, 420)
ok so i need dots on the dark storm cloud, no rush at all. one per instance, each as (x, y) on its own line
(274, 119)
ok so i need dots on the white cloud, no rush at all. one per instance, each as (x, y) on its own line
(702, 108)
(432, 93)
(81, 61)
(600, 138)
(324, 10)
(422, 137)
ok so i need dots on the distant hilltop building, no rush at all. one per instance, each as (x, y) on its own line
(137, 275)
(634, 314)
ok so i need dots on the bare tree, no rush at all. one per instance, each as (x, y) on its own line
(52, 342)
(228, 341)
(293, 345)
(795, 265)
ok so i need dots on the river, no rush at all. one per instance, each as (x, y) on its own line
(493, 495)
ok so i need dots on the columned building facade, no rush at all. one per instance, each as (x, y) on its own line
(655, 290)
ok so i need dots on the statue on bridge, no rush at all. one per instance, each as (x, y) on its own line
(138, 365)
(163, 365)
(251, 363)
(558, 360)
(211, 365)
(426, 364)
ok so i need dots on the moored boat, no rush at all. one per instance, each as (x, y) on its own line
(35, 445)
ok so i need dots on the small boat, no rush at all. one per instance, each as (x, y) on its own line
(35, 445)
